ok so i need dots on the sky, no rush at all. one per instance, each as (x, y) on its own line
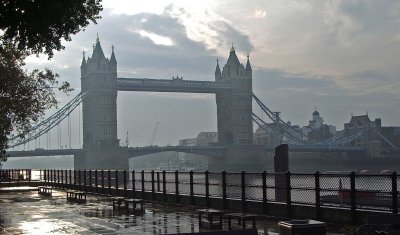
(338, 56)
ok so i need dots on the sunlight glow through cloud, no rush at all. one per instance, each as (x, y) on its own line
(155, 38)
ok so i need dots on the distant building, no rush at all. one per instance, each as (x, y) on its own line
(379, 141)
(206, 138)
(316, 130)
(368, 130)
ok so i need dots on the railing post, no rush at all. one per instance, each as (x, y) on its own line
(224, 202)
(70, 178)
(75, 179)
(90, 181)
(288, 194)
(109, 182)
(353, 197)
(125, 193)
(133, 184)
(394, 193)
(264, 190)
(62, 179)
(177, 187)
(191, 188)
(142, 184)
(164, 186)
(317, 196)
(243, 187)
(158, 181)
(30, 175)
(58, 178)
(102, 182)
(153, 193)
(96, 181)
(207, 189)
(116, 182)
(84, 180)
(80, 182)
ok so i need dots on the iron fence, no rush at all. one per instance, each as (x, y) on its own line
(8, 175)
(354, 191)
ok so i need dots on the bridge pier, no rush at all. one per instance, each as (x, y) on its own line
(240, 158)
(102, 158)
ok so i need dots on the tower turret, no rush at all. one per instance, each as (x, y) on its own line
(83, 63)
(217, 72)
(248, 66)
(112, 59)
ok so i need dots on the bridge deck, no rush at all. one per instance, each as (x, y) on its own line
(175, 85)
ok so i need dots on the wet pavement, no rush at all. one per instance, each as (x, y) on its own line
(26, 212)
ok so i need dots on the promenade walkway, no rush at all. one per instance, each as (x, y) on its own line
(25, 212)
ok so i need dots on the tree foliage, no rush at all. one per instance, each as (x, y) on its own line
(38, 26)
(32, 27)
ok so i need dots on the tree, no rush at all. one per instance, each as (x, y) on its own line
(33, 27)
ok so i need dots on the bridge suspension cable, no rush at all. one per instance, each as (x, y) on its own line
(49, 123)
(298, 137)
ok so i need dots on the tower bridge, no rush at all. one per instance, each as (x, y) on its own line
(232, 87)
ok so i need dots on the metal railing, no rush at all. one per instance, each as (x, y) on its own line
(9, 175)
(352, 191)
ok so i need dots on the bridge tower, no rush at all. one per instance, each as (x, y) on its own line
(234, 109)
(99, 111)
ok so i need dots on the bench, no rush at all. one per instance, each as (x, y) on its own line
(80, 197)
(118, 201)
(242, 218)
(134, 202)
(210, 214)
(70, 195)
(45, 190)
(76, 196)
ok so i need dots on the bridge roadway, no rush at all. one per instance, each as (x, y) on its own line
(174, 85)
(212, 151)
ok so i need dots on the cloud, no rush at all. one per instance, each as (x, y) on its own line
(339, 55)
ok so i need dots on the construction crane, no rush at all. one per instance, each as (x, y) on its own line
(153, 137)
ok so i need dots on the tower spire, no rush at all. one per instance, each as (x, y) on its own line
(112, 59)
(248, 66)
(217, 70)
(83, 63)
